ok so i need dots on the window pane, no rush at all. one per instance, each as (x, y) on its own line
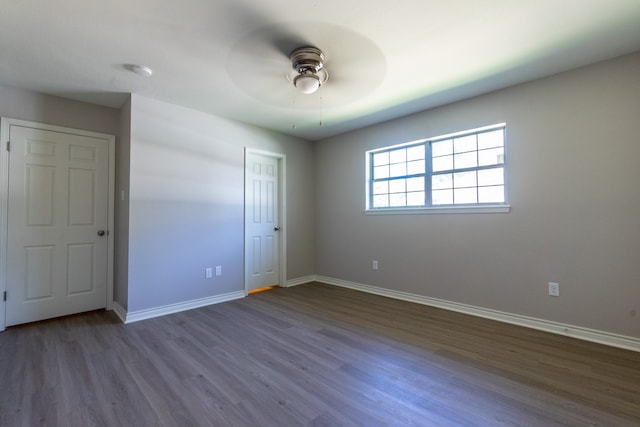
(465, 195)
(415, 184)
(415, 167)
(493, 194)
(441, 148)
(493, 156)
(466, 160)
(415, 198)
(462, 170)
(491, 176)
(381, 187)
(381, 201)
(439, 182)
(464, 144)
(442, 163)
(491, 139)
(442, 197)
(397, 186)
(464, 179)
(398, 156)
(381, 158)
(415, 153)
(381, 172)
(399, 169)
(398, 199)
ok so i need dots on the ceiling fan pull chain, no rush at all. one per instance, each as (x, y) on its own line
(293, 113)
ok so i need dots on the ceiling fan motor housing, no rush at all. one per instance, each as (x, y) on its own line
(307, 59)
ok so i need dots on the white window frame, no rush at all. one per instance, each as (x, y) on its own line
(502, 207)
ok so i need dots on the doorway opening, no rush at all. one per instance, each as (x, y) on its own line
(265, 220)
(56, 214)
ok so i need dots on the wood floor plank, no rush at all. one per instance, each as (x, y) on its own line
(312, 355)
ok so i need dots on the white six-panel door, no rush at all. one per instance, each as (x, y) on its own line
(262, 225)
(57, 222)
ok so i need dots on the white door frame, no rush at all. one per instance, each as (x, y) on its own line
(5, 126)
(282, 213)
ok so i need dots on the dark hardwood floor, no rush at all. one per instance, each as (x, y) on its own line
(312, 355)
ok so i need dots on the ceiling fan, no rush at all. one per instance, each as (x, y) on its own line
(274, 63)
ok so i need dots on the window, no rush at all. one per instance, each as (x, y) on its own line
(466, 169)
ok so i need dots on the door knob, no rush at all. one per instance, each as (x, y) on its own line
(276, 228)
(100, 233)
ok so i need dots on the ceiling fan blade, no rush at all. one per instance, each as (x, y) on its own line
(260, 64)
(275, 38)
(286, 42)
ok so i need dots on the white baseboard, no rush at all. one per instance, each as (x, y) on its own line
(120, 312)
(601, 337)
(300, 281)
(149, 313)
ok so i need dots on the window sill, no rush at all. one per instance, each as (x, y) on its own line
(440, 210)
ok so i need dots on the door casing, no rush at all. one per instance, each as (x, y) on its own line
(282, 213)
(5, 127)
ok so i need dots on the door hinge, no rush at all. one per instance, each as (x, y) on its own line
(8, 145)
(4, 296)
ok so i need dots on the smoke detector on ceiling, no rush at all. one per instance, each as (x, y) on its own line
(309, 72)
(141, 70)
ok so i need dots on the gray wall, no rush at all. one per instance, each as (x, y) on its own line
(186, 203)
(37, 107)
(573, 144)
(121, 264)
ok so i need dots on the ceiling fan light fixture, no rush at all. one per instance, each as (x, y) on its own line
(307, 83)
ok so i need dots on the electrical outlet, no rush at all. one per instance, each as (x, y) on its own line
(374, 265)
(218, 270)
(554, 289)
(208, 273)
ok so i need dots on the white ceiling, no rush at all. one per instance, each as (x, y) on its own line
(385, 58)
